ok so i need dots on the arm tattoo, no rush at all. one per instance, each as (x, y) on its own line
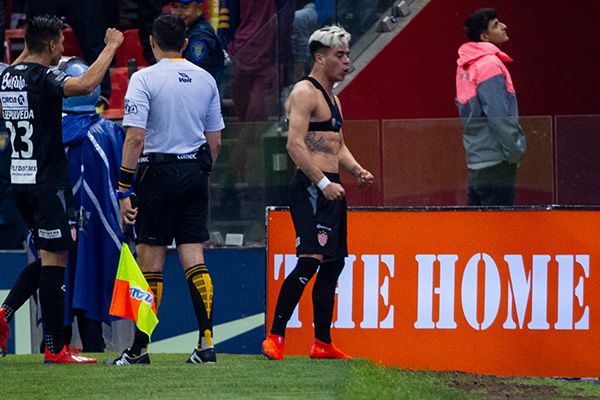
(316, 145)
(356, 170)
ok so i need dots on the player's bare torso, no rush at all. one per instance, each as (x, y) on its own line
(323, 146)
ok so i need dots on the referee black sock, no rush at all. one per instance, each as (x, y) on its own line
(25, 286)
(323, 297)
(291, 292)
(52, 301)
(201, 291)
(140, 339)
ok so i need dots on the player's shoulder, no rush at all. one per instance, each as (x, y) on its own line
(25, 69)
(303, 91)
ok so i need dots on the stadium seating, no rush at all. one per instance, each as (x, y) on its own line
(118, 80)
(71, 44)
(11, 37)
(131, 48)
(15, 38)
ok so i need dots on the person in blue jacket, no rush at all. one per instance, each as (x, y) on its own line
(93, 146)
(203, 48)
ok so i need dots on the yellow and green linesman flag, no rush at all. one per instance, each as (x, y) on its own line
(132, 297)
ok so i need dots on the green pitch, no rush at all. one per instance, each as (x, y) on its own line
(254, 377)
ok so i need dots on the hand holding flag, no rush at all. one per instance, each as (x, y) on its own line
(132, 297)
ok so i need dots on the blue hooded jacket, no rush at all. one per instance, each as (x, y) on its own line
(94, 148)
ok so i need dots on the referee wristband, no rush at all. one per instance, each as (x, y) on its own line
(323, 183)
(123, 195)
(126, 177)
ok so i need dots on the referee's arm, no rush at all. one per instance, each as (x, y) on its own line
(133, 147)
(214, 142)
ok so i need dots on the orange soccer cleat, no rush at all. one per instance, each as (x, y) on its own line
(4, 331)
(327, 351)
(272, 347)
(66, 356)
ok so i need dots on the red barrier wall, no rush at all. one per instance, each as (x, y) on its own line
(554, 45)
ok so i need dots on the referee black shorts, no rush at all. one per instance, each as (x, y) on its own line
(320, 224)
(49, 215)
(172, 201)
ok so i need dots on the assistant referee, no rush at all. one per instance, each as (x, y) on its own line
(173, 115)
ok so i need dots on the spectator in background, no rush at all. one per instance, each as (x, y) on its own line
(229, 17)
(305, 23)
(140, 14)
(258, 72)
(93, 146)
(2, 29)
(357, 15)
(487, 103)
(204, 48)
(18, 18)
(253, 53)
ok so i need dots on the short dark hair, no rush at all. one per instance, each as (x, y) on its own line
(169, 32)
(478, 23)
(42, 29)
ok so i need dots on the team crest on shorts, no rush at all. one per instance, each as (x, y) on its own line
(74, 233)
(322, 238)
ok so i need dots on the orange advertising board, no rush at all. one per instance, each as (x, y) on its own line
(492, 292)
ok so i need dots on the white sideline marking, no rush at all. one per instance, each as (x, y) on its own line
(187, 342)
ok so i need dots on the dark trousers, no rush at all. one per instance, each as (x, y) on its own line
(492, 186)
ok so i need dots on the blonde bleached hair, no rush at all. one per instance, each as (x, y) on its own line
(328, 36)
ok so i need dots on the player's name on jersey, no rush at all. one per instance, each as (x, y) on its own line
(17, 114)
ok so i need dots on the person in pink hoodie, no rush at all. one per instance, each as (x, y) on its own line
(487, 103)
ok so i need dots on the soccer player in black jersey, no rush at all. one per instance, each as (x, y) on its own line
(31, 98)
(317, 197)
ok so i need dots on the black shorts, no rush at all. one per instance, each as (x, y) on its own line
(172, 201)
(50, 217)
(320, 224)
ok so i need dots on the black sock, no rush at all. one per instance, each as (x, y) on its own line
(291, 292)
(141, 339)
(52, 301)
(25, 286)
(90, 332)
(68, 333)
(201, 291)
(323, 297)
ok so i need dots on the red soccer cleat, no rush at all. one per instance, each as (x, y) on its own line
(327, 351)
(4, 332)
(66, 356)
(73, 350)
(272, 347)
